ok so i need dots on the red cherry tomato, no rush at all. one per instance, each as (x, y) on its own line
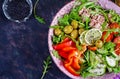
(117, 49)
(116, 40)
(109, 38)
(114, 26)
(93, 48)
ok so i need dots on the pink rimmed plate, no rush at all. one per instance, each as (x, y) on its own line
(66, 9)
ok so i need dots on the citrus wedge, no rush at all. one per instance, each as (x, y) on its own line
(82, 37)
(92, 35)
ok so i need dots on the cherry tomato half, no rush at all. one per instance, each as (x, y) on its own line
(117, 49)
(114, 26)
(107, 39)
(116, 40)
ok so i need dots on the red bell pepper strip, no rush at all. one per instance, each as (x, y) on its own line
(75, 63)
(62, 45)
(66, 40)
(63, 54)
(67, 49)
(71, 70)
(68, 62)
(72, 54)
(93, 48)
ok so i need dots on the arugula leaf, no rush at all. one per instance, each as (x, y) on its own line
(82, 1)
(41, 20)
(105, 15)
(104, 25)
(74, 15)
(114, 16)
(46, 66)
(86, 74)
(85, 67)
(55, 53)
(113, 30)
(87, 56)
(84, 5)
(64, 20)
(102, 51)
(109, 45)
(56, 26)
(87, 23)
(58, 39)
(116, 69)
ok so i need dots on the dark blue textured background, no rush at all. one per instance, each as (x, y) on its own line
(23, 47)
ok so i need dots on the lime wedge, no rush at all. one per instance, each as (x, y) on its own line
(92, 35)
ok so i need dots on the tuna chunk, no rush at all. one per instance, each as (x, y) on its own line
(84, 13)
(96, 21)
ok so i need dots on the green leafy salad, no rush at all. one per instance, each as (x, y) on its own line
(87, 40)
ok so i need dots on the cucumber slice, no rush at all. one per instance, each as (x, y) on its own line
(111, 61)
(102, 51)
(117, 57)
(114, 54)
(93, 60)
(98, 70)
(99, 59)
(109, 69)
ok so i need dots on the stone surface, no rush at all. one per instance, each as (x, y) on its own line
(23, 47)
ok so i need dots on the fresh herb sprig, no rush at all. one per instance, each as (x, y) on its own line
(38, 18)
(46, 66)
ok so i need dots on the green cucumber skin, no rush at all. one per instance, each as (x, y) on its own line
(107, 61)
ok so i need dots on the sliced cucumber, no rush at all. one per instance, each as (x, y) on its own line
(109, 69)
(102, 51)
(111, 61)
(98, 70)
(93, 60)
(117, 57)
(114, 54)
(98, 58)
